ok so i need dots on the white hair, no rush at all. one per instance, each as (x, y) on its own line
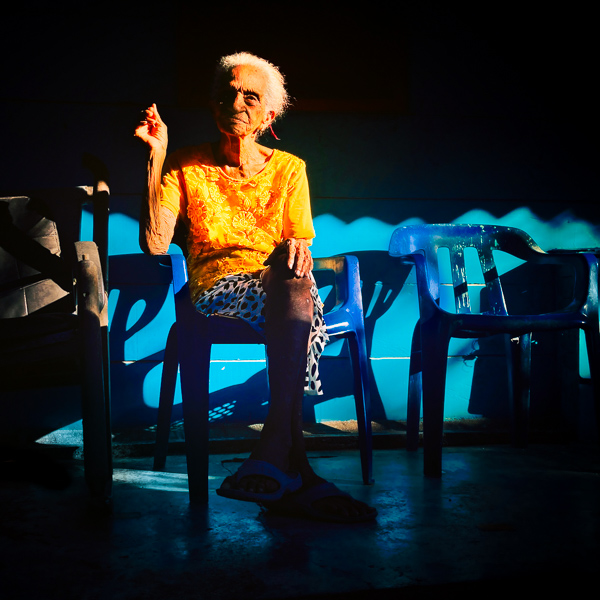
(276, 97)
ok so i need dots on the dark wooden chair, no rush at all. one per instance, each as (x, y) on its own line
(53, 308)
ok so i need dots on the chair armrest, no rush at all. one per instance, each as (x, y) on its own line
(98, 196)
(89, 276)
(347, 279)
(184, 308)
(180, 273)
(347, 314)
(586, 268)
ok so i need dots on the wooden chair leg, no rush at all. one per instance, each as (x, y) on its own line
(107, 397)
(96, 444)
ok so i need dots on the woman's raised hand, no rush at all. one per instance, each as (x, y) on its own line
(153, 130)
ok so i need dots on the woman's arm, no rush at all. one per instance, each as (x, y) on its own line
(157, 223)
(298, 230)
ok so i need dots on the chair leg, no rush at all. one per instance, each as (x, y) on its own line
(415, 392)
(107, 398)
(519, 369)
(592, 340)
(362, 399)
(434, 355)
(194, 356)
(166, 399)
(97, 462)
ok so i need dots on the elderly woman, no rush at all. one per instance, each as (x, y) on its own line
(246, 210)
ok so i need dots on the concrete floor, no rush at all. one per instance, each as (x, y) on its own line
(500, 519)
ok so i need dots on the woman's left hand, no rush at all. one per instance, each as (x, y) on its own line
(296, 254)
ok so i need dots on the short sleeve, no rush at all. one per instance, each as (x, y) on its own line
(297, 219)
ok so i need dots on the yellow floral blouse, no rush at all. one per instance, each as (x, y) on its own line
(234, 224)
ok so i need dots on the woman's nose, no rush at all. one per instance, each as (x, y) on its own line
(238, 102)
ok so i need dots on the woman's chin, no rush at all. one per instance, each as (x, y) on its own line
(232, 127)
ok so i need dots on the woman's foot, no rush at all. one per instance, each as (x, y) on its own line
(271, 448)
(258, 481)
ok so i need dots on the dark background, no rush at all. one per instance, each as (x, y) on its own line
(403, 111)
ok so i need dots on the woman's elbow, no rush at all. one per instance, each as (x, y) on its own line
(153, 246)
(155, 249)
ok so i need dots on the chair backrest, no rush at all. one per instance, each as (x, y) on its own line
(423, 243)
(38, 231)
(35, 267)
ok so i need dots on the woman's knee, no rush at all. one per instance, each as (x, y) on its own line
(282, 277)
(288, 293)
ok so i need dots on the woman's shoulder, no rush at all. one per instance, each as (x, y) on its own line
(285, 160)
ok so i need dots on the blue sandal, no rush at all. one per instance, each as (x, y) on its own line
(288, 482)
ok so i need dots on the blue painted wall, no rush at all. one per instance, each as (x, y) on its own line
(493, 125)
(390, 302)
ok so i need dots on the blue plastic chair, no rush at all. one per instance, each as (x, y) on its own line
(420, 245)
(189, 346)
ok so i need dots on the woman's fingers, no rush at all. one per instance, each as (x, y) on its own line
(155, 113)
(291, 253)
(299, 257)
(152, 117)
(294, 254)
(305, 262)
(152, 128)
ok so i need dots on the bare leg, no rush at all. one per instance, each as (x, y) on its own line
(289, 313)
(340, 506)
(288, 319)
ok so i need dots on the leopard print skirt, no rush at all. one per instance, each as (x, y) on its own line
(243, 296)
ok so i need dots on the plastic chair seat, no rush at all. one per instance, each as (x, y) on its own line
(419, 245)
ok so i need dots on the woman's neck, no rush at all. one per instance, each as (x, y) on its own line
(241, 157)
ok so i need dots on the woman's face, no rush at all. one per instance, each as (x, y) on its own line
(240, 107)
